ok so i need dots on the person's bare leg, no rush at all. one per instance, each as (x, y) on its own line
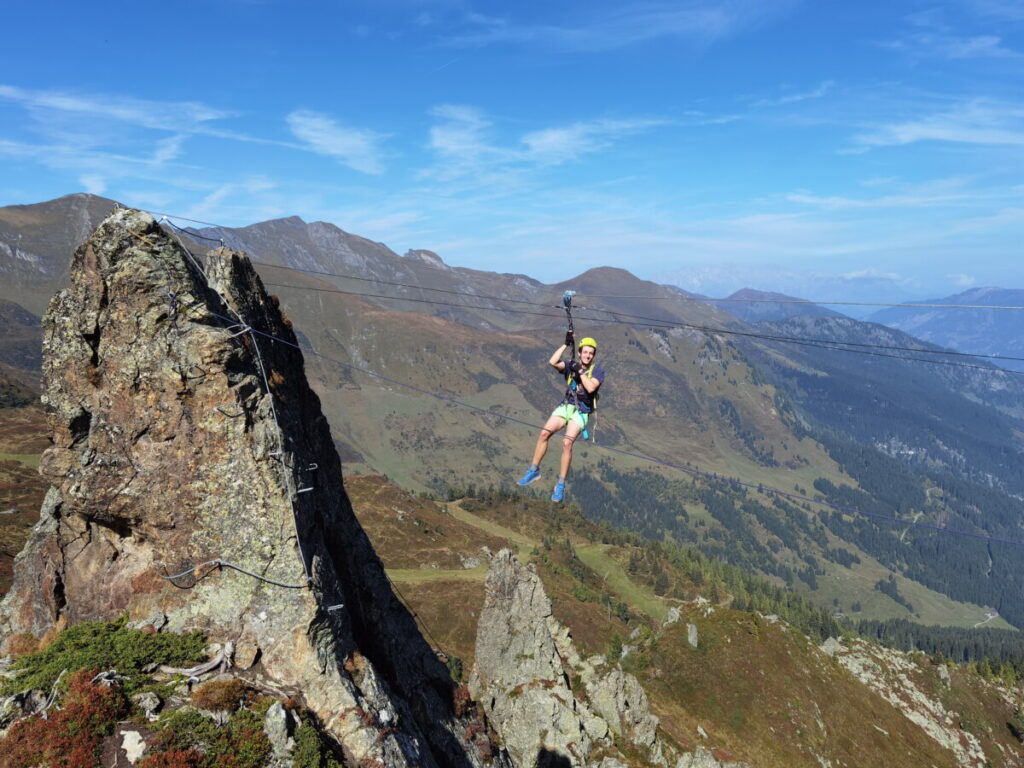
(553, 425)
(572, 433)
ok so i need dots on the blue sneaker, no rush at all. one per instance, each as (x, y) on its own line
(559, 492)
(531, 476)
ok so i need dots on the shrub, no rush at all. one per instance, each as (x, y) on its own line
(72, 736)
(455, 668)
(173, 758)
(103, 645)
(219, 695)
(311, 751)
(462, 700)
(240, 743)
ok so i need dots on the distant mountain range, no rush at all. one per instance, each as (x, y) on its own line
(803, 399)
(984, 331)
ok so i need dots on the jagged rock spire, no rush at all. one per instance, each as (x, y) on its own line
(170, 452)
(550, 706)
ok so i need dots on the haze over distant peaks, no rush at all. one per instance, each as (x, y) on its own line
(752, 306)
(983, 331)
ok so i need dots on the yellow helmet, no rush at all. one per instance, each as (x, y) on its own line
(587, 342)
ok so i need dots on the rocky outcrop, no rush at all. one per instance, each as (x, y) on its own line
(896, 678)
(187, 441)
(549, 705)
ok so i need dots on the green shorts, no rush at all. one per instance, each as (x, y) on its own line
(570, 412)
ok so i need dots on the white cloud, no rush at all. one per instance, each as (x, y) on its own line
(463, 140)
(556, 145)
(978, 121)
(962, 281)
(871, 275)
(461, 135)
(168, 149)
(945, 46)
(923, 196)
(187, 116)
(93, 184)
(357, 148)
(1007, 10)
(700, 21)
(792, 98)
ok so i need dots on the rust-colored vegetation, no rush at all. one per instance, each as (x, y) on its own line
(219, 695)
(72, 736)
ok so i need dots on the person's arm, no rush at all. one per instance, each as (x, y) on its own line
(589, 382)
(556, 359)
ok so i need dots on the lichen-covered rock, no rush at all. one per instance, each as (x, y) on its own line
(148, 702)
(518, 675)
(19, 705)
(277, 728)
(549, 705)
(620, 700)
(185, 435)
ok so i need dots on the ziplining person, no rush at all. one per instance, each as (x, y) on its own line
(583, 378)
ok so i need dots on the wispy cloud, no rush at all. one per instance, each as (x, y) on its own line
(465, 142)
(1005, 10)
(792, 98)
(930, 194)
(979, 121)
(168, 149)
(871, 276)
(700, 21)
(93, 183)
(557, 145)
(962, 281)
(182, 116)
(461, 133)
(357, 148)
(945, 46)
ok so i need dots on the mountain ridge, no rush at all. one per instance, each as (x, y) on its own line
(730, 405)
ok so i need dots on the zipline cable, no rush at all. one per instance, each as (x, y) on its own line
(665, 322)
(690, 470)
(810, 302)
(659, 323)
(703, 299)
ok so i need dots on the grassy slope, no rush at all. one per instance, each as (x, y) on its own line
(760, 690)
(663, 393)
(22, 439)
(670, 411)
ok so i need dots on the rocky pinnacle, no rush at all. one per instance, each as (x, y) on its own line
(186, 435)
(550, 706)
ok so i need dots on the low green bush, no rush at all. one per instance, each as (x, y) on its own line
(103, 645)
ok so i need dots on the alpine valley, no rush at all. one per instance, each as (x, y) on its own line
(802, 534)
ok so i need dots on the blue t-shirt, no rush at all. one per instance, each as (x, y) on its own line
(576, 393)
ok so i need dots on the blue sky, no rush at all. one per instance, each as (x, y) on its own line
(855, 151)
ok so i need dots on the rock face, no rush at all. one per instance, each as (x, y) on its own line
(548, 705)
(185, 435)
